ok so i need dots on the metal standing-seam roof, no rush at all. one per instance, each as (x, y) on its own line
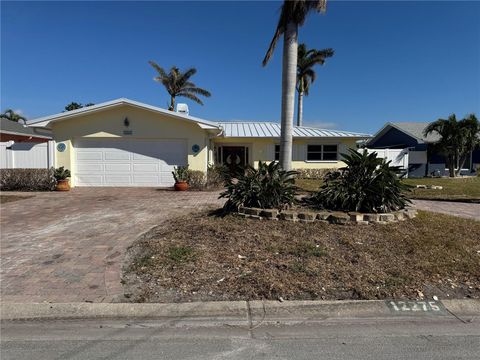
(272, 130)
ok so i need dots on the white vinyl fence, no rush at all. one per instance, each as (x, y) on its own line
(26, 155)
(398, 157)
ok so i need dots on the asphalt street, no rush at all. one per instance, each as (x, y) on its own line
(373, 338)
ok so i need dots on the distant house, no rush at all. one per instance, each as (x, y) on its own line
(406, 140)
(14, 131)
(24, 147)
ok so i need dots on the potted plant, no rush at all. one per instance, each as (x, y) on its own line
(62, 175)
(180, 174)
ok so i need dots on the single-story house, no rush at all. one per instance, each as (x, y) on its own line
(128, 143)
(406, 140)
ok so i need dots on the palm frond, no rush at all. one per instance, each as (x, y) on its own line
(159, 69)
(190, 96)
(196, 90)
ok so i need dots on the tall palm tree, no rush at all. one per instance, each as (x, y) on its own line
(177, 83)
(307, 59)
(12, 115)
(457, 139)
(293, 15)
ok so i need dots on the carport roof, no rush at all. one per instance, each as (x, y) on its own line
(46, 120)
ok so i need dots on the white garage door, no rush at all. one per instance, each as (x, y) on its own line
(128, 162)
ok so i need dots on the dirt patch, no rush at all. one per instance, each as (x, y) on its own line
(204, 257)
(11, 198)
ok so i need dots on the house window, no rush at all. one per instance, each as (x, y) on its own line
(277, 152)
(322, 152)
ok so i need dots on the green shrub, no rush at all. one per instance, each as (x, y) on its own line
(214, 179)
(197, 180)
(180, 173)
(217, 175)
(367, 184)
(27, 180)
(268, 187)
(61, 173)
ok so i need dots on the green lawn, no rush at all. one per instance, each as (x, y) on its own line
(453, 189)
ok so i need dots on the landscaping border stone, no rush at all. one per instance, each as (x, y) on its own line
(332, 217)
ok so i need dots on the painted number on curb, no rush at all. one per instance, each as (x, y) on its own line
(413, 306)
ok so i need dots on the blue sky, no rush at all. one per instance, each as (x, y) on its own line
(394, 61)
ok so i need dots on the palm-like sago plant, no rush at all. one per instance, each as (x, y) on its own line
(293, 15)
(457, 140)
(12, 116)
(367, 184)
(307, 59)
(177, 83)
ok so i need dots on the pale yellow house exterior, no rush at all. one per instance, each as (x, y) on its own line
(128, 143)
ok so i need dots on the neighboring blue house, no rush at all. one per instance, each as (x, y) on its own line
(421, 162)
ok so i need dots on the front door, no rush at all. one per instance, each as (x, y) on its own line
(234, 157)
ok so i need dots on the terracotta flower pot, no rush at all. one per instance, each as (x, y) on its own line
(63, 185)
(181, 186)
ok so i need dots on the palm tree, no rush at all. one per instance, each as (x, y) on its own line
(457, 139)
(177, 83)
(293, 14)
(307, 59)
(12, 116)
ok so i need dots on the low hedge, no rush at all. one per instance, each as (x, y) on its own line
(214, 179)
(27, 180)
(312, 173)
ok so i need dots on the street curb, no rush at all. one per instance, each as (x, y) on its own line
(228, 311)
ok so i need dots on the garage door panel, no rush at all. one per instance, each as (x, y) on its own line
(142, 179)
(118, 179)
(128, 162)
(118, 167)
(89, 167)
(90, 155)
(89, 180)
(145, 168)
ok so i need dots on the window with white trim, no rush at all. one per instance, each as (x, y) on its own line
(322, 152)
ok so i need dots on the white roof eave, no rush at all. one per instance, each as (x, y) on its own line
(46, 120)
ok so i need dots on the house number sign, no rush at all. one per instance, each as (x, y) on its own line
(414, 306)
(61, 147)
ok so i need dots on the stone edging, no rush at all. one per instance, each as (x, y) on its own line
(331, 217)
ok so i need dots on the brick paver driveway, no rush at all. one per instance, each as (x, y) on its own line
(69, 247)
(466, 210)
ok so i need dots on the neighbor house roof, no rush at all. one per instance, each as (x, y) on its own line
(16, 129)
(413, 129)
(45, 121)
(251, 129)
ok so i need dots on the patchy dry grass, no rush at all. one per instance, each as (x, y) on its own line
(200, 257)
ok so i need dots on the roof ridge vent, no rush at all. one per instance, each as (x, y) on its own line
(183, 109)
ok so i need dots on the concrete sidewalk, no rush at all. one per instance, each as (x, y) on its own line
(465, 210)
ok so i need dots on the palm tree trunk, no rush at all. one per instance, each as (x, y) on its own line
(172, 103)
(451, 165)
(289, 78)
(461, 164)
(300, 109)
